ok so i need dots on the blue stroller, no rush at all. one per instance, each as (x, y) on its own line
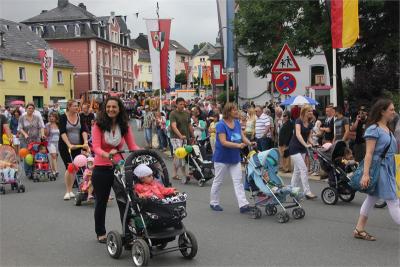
(272, 192)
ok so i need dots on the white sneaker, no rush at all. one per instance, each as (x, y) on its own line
(71, 195)
(66, 196)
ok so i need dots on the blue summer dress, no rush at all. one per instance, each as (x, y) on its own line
(386, 186)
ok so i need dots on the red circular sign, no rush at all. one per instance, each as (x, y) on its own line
(285, 83)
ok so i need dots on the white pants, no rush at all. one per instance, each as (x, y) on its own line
(300, 173)
(393, 206)
(139, 123)
(221, 169)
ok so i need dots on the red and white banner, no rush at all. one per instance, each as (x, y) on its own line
(46, 62)
(158, 32)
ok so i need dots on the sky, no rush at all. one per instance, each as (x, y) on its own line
(194, 21)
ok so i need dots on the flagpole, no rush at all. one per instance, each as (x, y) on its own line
(334, 77)
(159, 45)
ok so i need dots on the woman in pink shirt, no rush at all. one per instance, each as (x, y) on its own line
(109, 135)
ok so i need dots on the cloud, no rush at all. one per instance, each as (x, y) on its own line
(194, 21)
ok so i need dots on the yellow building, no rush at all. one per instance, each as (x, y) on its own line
(201, 59)
(145, 74)
(21, 77)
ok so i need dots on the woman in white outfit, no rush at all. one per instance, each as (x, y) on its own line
(230, 140)
(298, 150)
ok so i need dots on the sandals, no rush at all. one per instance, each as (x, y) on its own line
(176, 177)
(102, 239)
(363, 235)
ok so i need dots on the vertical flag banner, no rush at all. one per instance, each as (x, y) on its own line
(344, 23)
(186, 64)
(190, 79)
(152, 37)
(165, 29)
(171, 69)
(222, 19)
(46, 62)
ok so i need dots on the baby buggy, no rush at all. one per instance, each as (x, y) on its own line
(10, 170)
(338, 178)
(41, 170)
(201, 169)
(271, 193)
(148, 224)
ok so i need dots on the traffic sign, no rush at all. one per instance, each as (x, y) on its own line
(285, 83)
(285, 61)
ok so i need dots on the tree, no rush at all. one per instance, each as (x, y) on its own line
(181, 78)
(200, 46)
(305, 26)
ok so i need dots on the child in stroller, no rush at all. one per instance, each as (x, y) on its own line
(10, 170)
(41, 170)
(149, 224)
(336, 161)
(267, 188)
(201, 169)
(86, 185)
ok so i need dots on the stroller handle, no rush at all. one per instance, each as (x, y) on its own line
(76, 146)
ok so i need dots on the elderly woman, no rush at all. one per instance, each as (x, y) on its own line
(31, 129)
(378, 137)
(230, 140)
(72, 133)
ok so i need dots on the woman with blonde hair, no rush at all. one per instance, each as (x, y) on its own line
(250, 128)
(300, 142)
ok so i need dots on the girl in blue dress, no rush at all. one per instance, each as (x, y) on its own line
(378, 136)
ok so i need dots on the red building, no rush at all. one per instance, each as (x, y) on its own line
(98, 47)
(217, 76)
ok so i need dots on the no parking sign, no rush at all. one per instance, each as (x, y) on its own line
(285, 83)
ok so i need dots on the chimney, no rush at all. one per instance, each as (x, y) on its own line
(196, 47)
(112, 14)
(62, 3)
(43, 11)
(82, 5)
(141, 33)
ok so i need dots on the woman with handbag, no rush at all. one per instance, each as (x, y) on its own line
(380, 149)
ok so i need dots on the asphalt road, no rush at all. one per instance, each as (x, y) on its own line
(39, 228)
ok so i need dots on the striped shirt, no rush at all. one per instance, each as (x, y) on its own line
(262, 123)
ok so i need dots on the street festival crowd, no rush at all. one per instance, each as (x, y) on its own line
(226, 132)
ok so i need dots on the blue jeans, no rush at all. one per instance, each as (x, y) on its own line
(148, 134)
(162, 138)
(28, 169)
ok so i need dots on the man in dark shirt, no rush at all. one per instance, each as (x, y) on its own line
(87, 118)
(328, 125)
(359, 127)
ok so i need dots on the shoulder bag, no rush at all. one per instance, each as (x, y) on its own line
(374, 173)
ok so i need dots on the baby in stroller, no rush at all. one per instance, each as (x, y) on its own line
(86, 186)
(41, 159)
(346, 162)
(148, 187)
(267, 188)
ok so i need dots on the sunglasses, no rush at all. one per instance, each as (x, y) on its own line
(284, 115)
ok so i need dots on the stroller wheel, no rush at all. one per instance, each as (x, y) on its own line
(2, 190)
(187, 245)
(201, 182)
(114, 244)
(140, 252)
(184, 180)
(282, 217)
(78, 199)
(298, 213)
(21, 188)
(256, 214)
(329, 195)
(271, 210)
(347, 197)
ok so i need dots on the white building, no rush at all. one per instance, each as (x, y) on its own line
(313, 71)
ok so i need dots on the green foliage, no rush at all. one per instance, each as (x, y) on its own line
(221, 98)
(181, 78)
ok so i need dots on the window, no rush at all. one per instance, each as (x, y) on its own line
(150, 70)
(124, 63)
(101, 57)
(317, 75)
(22, 74)
(1, 72)
(108, 84)
(107, 58)
(182, 59)
(129, 63)
(77, 30)
(41, 75)
(60, 77)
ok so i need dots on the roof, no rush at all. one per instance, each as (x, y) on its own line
(21, 44)
(217, 55)
(69, 12)
(134, 45)
(206, 50)
(144, 56)
(142, 42)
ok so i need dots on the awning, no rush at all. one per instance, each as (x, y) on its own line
(319, 87)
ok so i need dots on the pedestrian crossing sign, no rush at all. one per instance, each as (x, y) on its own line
(285, 61)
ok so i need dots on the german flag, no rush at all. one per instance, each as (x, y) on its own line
(344, 23)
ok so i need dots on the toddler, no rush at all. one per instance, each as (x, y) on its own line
(347, 162)
(41, 158)
(278, 189)
(148, 187)
(87, 178)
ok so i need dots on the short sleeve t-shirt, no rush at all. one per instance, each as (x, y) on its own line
(3, 120)
(339, 127)
(224, 154)
(295, 146)
(182, 120)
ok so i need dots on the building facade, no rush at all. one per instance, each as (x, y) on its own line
(98, 47)
(21, 77)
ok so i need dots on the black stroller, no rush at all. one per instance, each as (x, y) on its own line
(338, 178)
(148, 224)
